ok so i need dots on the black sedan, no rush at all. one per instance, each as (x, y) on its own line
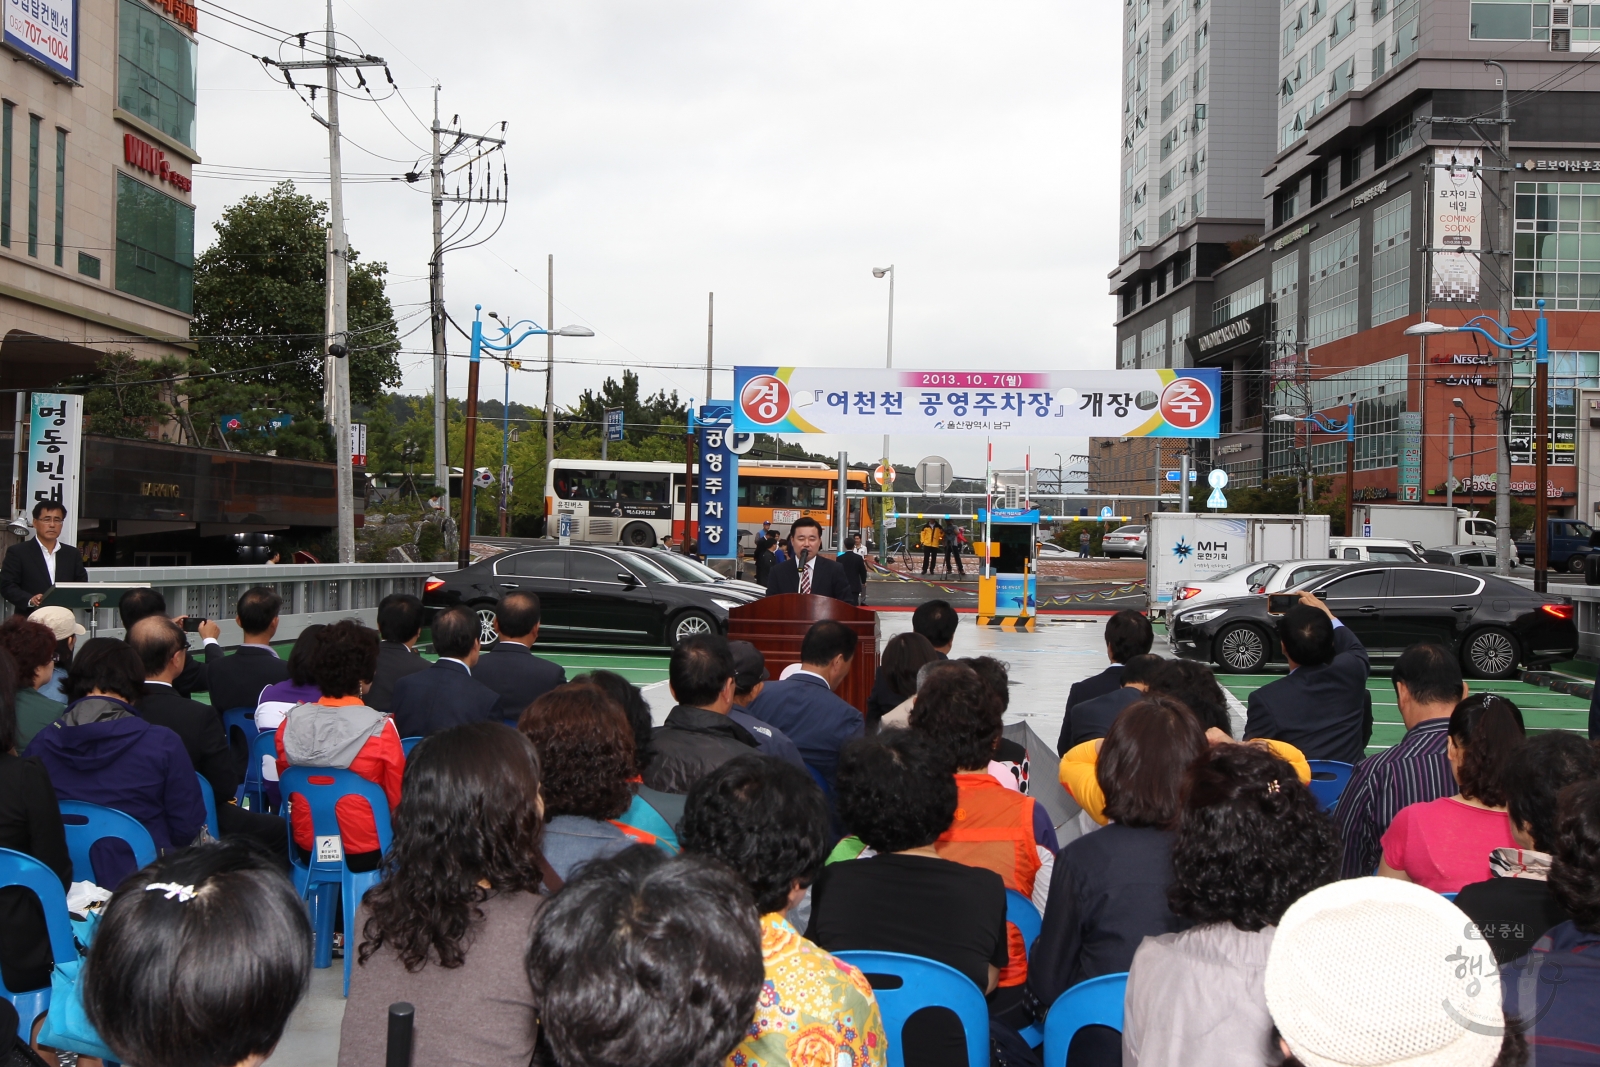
(589, 595)
(1492, 624)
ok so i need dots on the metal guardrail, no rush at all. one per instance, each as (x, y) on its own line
(1586, 602)
(312, 592)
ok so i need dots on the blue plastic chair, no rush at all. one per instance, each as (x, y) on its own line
(1097, 1002)
(923, 984)
(242, 720)
(252, 791)
(87, 823)
(1021, 913)
(209, 796)
(1328, 779)
(20, 869)
(1451, 897)
(409, 743)
(320, 881)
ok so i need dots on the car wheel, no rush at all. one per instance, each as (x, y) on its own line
(692, 624)
(639, 535)
(1575, 564)
(487, 634)
(1490, 653)
(1242, 648)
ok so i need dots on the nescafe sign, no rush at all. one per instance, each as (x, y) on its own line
(137, 152)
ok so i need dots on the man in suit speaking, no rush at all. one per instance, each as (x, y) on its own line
(33, 567)
(807, 572)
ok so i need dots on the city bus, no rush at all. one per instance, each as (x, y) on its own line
(641, 503)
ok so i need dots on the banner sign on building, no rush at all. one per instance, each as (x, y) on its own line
(45, 31)
(55, 456)
(1410, 456)
(1457, 223)
(1089, 403)
(719, 484)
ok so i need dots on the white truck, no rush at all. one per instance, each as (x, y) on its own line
(1190, 546)
(1429, 525)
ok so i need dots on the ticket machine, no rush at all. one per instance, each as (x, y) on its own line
(1007, 584)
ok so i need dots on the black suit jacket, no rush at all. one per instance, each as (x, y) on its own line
(200, 730)
(395, 661)
(1319, 710)
(520, 677)
(855, 568)
(1107, 681)
(1093, 718)
(827, 579)
(236, 680)
(441, 697)
(23, 573)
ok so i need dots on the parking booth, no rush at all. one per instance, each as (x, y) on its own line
(1008, 583)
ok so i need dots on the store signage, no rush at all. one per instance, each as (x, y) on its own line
(55, 455)
(46, 31)
(358, 444)
(1228, 450)
(1457, 217)
(1238, 332)
(1410, 456)
(137, 152)
(178, 11)
(1568, 165)
(1370, 492)
(719, 484)
(1369, 195)
(160, 489)
(1292, 236)
(1485, 483)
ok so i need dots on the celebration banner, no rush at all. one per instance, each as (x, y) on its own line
(1088, 403)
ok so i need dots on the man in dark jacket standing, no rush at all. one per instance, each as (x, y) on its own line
(1320, 707)
(698, 736)
(32, 568)
(855, 568)
(510, 668)
(817, 574)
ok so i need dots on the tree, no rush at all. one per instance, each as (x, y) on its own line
(641, 418)
(259, 294)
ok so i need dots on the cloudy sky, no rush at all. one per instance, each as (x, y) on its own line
(773, 153)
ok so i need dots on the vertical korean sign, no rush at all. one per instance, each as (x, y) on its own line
(1411, 456)
(1457, 216)
(46, 31)
(55, 455)
(719, 484)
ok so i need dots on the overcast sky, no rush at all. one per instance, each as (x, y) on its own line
(773, 153)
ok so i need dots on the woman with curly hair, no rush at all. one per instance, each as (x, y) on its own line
(586, 748)
(1251, 841)
(33, 650)
(1445, 844)
(447, 928)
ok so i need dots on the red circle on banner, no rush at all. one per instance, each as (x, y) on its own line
(764, 399)
(1187, 402)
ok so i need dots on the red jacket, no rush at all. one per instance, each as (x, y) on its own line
(382, 761)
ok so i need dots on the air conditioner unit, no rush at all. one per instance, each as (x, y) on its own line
(1561, 27)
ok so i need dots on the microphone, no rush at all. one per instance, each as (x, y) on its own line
(803, 556)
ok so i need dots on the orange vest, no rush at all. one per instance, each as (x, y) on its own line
(993, 829)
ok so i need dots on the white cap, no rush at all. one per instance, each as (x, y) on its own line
(59, 620)
(1376, 971)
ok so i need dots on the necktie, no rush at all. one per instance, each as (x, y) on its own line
(805, 580)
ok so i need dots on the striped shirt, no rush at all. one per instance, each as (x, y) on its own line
(1414, 771)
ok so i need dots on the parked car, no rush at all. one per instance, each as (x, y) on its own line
(1375, 549)
(1490, 623)
(688, 569)
(1263, 576)
(1126, 541)
(590, 595)
(1473, 557)
(1570, 542)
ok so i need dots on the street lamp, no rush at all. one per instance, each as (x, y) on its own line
(1348, 429)
(1472, 454)
(883, 533)
(469, 459)
(1509, 340)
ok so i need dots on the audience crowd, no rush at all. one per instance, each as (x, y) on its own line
(566, 883)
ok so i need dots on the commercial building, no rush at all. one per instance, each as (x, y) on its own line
(1382, 204)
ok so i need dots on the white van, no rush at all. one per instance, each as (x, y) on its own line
(1375, 549)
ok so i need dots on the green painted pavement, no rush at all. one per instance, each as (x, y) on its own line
(1542, 709)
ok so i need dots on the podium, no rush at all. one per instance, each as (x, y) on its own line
(777, 625)
(88, 596)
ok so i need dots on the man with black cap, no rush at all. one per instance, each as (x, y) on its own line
(749, 677)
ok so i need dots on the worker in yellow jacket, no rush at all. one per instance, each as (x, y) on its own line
(932, 539)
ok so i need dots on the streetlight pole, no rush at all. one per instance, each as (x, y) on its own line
(550, 367)
(1348, 429)
(888, 363)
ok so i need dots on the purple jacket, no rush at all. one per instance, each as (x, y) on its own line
(127, 764)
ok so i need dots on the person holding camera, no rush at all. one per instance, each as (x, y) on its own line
(1320, 707)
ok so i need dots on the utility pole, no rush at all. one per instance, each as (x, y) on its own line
(550, 366)
(711, 308)
(1503, 550)
(441, 460)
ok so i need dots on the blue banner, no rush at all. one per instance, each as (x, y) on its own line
(719, 485)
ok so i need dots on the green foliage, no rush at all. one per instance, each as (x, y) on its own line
(1066, 535)
(641, 417)
(117, 407)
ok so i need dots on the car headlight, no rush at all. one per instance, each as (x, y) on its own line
(727, 605)
(1204, 615)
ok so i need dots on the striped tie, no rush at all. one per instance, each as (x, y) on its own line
(805, 580)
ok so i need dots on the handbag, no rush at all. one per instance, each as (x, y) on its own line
(67, 1026)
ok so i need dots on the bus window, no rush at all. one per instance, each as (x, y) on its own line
(811, 495)
(767, 492)
(586, 485)
(642, 487)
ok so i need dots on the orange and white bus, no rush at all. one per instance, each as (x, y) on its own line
(641, 503)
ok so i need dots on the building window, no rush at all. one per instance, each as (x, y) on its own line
(1285, 204)
(1391, 260)
(1237, 303)
(7, 115)
(1378, 53)
(155, 245)
(1319, 184)
(1569, 372)
(1286, 302)
(1167, 222)
(1180, 274)
(61, 195)
(1344, 78)
(1344, 20)
(1407, 21)
(33, 185)
(1511, 22)
(89, 266)
(1378, 392)
(1130, 353)
(1153, 345)
(1557, 250)
(1349, 168)
(1398, 139)
(1180, 334)
(156, 71)
(1332, 309)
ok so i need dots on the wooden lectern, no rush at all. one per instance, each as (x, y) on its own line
(777, 624)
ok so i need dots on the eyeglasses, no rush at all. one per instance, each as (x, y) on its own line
(49, 520)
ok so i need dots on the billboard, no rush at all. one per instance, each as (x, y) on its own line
(1457, 218)
(46, 31)
(55, 455)
(719, 485)
(1077, 403)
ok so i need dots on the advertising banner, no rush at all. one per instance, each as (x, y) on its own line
(1095, 403)
(45, 31)
(719, 485)
(55, 455)
(1411, 456)
(1457, 217)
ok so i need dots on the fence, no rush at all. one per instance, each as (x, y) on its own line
(1586, 600)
